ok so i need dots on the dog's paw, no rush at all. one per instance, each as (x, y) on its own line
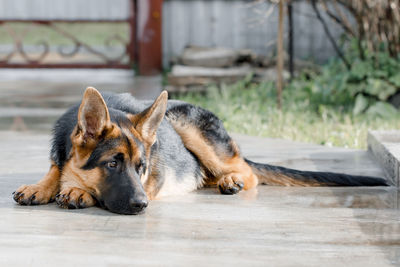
(74, 198)
(33, 195)
(230, 184)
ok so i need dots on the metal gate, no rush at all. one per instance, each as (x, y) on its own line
(117, 51)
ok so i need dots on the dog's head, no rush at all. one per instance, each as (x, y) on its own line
(111, 152)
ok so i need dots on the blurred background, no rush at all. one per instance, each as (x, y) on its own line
(321, 71)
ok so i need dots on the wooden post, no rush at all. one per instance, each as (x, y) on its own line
(279, 78)
(132, 33)
(148, 34)
(290, 39)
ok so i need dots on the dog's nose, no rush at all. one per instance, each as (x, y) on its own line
(138, 204)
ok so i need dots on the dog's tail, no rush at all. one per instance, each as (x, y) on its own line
(275, 175)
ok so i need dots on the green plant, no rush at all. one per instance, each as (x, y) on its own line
(250, 108)
(332, 106)
(365, 88)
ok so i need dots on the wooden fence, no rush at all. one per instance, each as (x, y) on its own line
(241, 24)
(230, 23)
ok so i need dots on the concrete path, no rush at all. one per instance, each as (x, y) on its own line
(268, 226)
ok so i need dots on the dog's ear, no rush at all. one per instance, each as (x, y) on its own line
(147, 122)
(93, 116)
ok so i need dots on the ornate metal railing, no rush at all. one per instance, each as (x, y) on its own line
(102, 59)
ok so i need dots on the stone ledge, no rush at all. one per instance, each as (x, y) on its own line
(385, 146)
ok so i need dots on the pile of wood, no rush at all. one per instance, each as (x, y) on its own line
(199, 67)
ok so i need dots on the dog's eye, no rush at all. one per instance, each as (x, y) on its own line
(139, 167)
(112, 164)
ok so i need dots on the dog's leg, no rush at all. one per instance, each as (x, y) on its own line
(41, 193)
(74, 194)
(74, 198)
(205, 136)
(232, 173)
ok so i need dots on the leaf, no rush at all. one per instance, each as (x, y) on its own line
(395, 80)
(360, 105)
(381, 74)
(361, 69)
(379, 88)
(355, 88)
(383, 109)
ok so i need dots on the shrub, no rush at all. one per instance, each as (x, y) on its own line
(366, 87)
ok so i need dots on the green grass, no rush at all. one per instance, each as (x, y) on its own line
(251, 109)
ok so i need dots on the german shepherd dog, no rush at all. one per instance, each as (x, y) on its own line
(118, 152)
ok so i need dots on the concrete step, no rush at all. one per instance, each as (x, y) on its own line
(29, 119)
(385, 146)
(61, 88)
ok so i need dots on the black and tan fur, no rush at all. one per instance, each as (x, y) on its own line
(118, 152)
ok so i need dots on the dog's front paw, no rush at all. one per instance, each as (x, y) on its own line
(33, 195)
(230, 184)
(74, 198)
